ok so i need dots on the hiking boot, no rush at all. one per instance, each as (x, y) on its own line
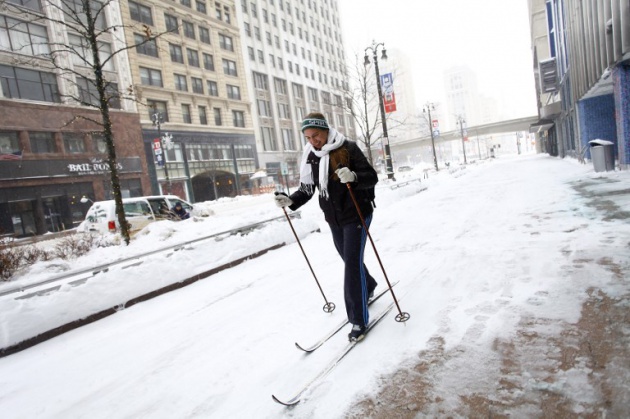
(357, 333)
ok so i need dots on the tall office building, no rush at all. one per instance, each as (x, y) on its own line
(192, 81)
(294, 59)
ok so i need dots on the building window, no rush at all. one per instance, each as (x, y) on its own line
(82, 54)
(261, 57)
(312, 95)
(226, 14)
(213, 89)
(193, 57)
(238, 118)
(233, 92)
(186, 114)
(180, 82)
(203, 117)
(197, 85)
(23, 37)
(73, 142)
(98, 142)
(176, 53)
(9, 143)
(229, 67)
(31, 4)
(20, 83)
(201, 7)
(189, 30)
(88, 94)
(250, 53)
(160, 107)
(208, 62)
(264, 108)
(150, 77)
(283, 111)
(217, 11)
(204, 35)
(73, 12)
(145, 46)
(217, 117)
(269, 139)
(226, 42)
(140, 13)
(280, 86)
(186, 3)
(287, 139)
(260, 81)
(42, 142)
(171, 23)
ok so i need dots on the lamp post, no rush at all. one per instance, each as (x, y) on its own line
(427, 109)
(374, 49)
(157, 120)
(461, 121)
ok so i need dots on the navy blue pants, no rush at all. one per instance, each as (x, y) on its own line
(358, 283)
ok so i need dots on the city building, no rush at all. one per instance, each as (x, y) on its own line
(52, 149)
(194, 103)
(581, 51)
(295, 64)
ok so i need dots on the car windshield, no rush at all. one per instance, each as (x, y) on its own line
(136, 209)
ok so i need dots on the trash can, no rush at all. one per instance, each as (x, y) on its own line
(602, 155)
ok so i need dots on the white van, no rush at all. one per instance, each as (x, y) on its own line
(139, 211)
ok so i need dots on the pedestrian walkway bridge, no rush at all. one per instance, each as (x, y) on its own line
(513, 125)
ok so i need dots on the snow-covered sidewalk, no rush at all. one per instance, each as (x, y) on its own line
(512, 245)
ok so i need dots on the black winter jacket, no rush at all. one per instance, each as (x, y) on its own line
(338, 208)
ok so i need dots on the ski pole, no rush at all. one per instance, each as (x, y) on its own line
(400, 317)
(329, 307)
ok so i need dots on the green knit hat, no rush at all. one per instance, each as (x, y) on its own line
(314, 123)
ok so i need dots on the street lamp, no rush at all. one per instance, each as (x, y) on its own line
(461, 122)
(427, 108)
(374, 48)
(157, 119)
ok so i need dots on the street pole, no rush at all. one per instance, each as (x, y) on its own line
(461, 122)
(388, 156)
(157, 121)
(427, 109)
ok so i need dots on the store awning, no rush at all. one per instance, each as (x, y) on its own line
(542, 125)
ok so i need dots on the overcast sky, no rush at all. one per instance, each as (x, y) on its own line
(490, 36)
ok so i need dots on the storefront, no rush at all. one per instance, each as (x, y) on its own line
(52, 155)
(201, 166)
(52, 200)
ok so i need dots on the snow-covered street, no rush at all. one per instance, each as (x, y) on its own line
(480, 252)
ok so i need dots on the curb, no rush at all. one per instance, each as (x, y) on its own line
(75, 324)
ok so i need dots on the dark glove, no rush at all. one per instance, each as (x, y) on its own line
(282, 200)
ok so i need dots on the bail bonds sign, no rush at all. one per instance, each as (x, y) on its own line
(389, 99)
(94, 167)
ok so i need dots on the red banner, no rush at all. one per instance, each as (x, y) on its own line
(389, 98)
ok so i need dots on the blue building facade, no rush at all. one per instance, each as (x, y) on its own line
(586, 75)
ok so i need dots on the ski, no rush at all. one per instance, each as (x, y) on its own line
(323, 373)
(340, 326)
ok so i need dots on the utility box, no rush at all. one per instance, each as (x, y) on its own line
(602, 155)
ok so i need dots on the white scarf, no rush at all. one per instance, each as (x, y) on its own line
(334, 141)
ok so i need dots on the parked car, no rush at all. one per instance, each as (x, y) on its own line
(139, 211)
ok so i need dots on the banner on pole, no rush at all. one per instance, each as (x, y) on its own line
(389, 99)
(157, 150)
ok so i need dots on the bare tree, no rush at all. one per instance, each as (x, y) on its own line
(86, 21)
